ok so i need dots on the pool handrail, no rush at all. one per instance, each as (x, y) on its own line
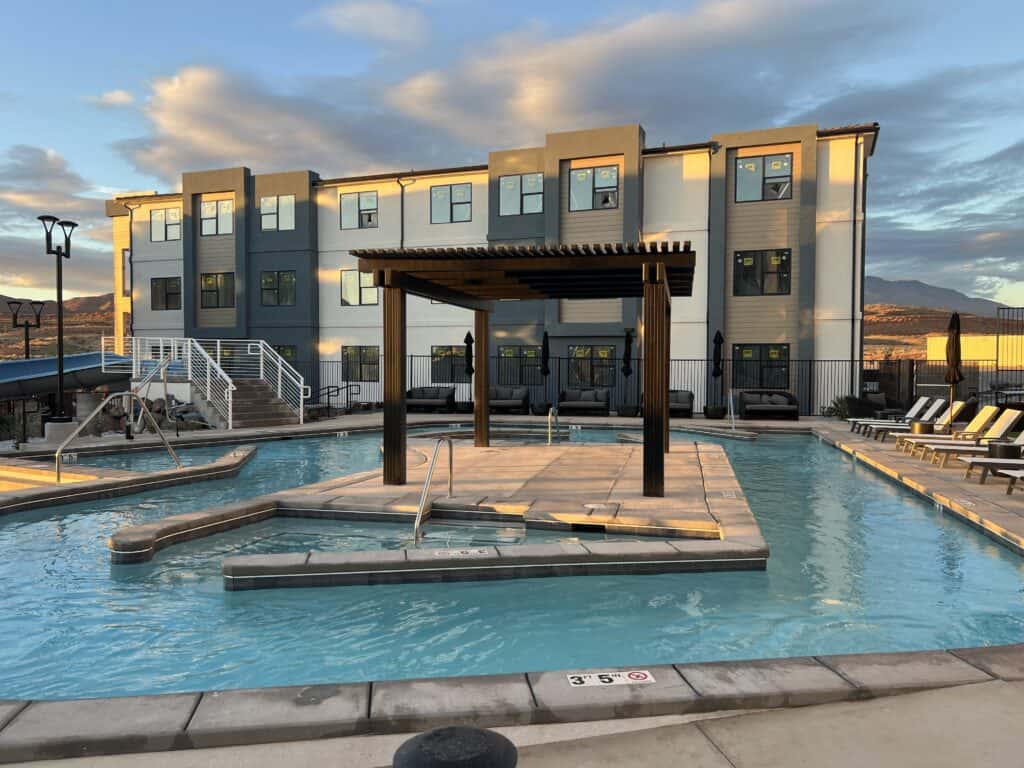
(78, 430)
(417, 532)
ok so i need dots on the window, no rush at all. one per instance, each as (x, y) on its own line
(519, 365)
(451, 203)
(357, 288)
(359, 210)
(594, 188)
(591, 366)
(165, 293)
(764, 178)
(165, 224)
(448, 365)
(760, 366)
(126, 272)
(761, 273)
(289, 352)
(521, 194)
(277, 289)
(217, 290)
(360, 363)
(216, 217)
(277, 213)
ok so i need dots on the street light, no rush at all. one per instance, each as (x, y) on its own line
(61, 253)
(15, 307)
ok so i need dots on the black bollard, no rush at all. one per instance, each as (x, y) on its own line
(457, 747)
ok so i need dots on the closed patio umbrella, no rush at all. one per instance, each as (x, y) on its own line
(545, 356)
(953, 373)
(716, 359)
(469, 353)
(627, 355)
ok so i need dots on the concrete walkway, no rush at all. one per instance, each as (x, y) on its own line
(972, 725)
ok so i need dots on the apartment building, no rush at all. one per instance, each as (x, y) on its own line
(776, 218)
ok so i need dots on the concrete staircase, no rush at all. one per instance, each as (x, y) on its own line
(255, 404)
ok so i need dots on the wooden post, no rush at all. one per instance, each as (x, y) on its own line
(481, 379)
(394, 381)
(655, 378)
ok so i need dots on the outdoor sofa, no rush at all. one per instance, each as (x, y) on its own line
(586, 401)
(870, 404)
(680, 403)
(431, 398)
(509, 399)
(767, 404)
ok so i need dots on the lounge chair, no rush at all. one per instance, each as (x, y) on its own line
(981, 421)
(941, 426)
(915, 409)
(989, 464)
(930, 413)
(941, 451)
(1014, 475)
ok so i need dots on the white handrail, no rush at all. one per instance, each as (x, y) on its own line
(417, 532)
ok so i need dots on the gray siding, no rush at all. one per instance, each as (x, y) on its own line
(215, 253)
(599, 226)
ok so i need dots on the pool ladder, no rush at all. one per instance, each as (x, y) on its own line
(422, 511)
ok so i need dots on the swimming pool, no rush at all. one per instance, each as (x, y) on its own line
(858, 564)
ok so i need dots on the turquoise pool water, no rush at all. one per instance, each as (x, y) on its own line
(857, 564)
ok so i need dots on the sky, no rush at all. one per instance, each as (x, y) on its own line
(103, 98)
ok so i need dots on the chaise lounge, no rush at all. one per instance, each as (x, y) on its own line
(585, 401)
(767, 404)
(431, 398)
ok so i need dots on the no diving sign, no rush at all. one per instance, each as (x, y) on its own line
(625, 677)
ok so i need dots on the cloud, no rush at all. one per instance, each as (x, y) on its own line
(113, 99)
(26, 272)
(378, 20)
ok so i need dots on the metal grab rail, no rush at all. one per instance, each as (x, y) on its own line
(553, 413)
(96, 410)
(417, 533)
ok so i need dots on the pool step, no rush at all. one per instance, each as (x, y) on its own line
(256, 404)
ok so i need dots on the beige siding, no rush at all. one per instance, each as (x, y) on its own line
(602, 226)
(122, 303)
(756, 226)
(214, 253)
(590, 311)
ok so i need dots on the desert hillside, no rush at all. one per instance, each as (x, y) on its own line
(892, 331)
(86, 320)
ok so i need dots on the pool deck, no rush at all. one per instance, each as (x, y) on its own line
(702, 523)
(981, 696)
(986, 508)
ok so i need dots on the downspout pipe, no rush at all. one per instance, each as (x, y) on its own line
(402, 183)
(131, 266)
(853, 265)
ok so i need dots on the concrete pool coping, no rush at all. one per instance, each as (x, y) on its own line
(108, 483)
(704, 523)
(37, 730)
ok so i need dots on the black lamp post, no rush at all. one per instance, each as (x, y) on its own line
(61, 253)
(15, 307)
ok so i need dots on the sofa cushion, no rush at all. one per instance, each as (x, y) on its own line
(572, 395)
(877, 398)
(779, 400)
(751, 398)
(588, 396)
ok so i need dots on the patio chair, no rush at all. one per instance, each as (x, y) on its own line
(981, 421)
(988, 464)
(915, 409)
(941, 426)
(929, 415)
(941, 451)
(1014, 475)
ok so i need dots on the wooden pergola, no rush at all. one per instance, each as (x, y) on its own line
(474, 278)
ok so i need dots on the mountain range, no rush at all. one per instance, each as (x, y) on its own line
(914, 293)
(78, 305)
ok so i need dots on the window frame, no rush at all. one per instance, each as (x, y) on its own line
(765, 177)
(452, 203)
(165, 225)
(126, 272)
(577, 361)
(761, 267)
(286, 356)
(276, 213)
(526, 372)
(361, 362)
(219, 291)
(521, 195)
(216, 218)
(360, 210)
(446, 355)
(772, 373)
(595, 189)
(360, 288)
(277, 273)
(163, 283)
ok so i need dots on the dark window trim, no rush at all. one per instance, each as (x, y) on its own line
(594, 188)
(277, 287)
(362, 361)
(216, 292)
(360, 288)
(216, 219)
(452, 356)
(527, 372)
(452, 203)
(523, 195)
(762, 258)
(290, 357)
(276, 214)
(158, 284)
(126, 272)
(764, 175)
(779, 369)
(167, 224)
(359, 210)
(607, 363)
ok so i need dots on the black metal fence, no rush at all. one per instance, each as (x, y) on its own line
(815, 383)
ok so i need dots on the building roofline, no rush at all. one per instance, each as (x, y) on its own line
(411, 173)
(859, 128)
(678, 148)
